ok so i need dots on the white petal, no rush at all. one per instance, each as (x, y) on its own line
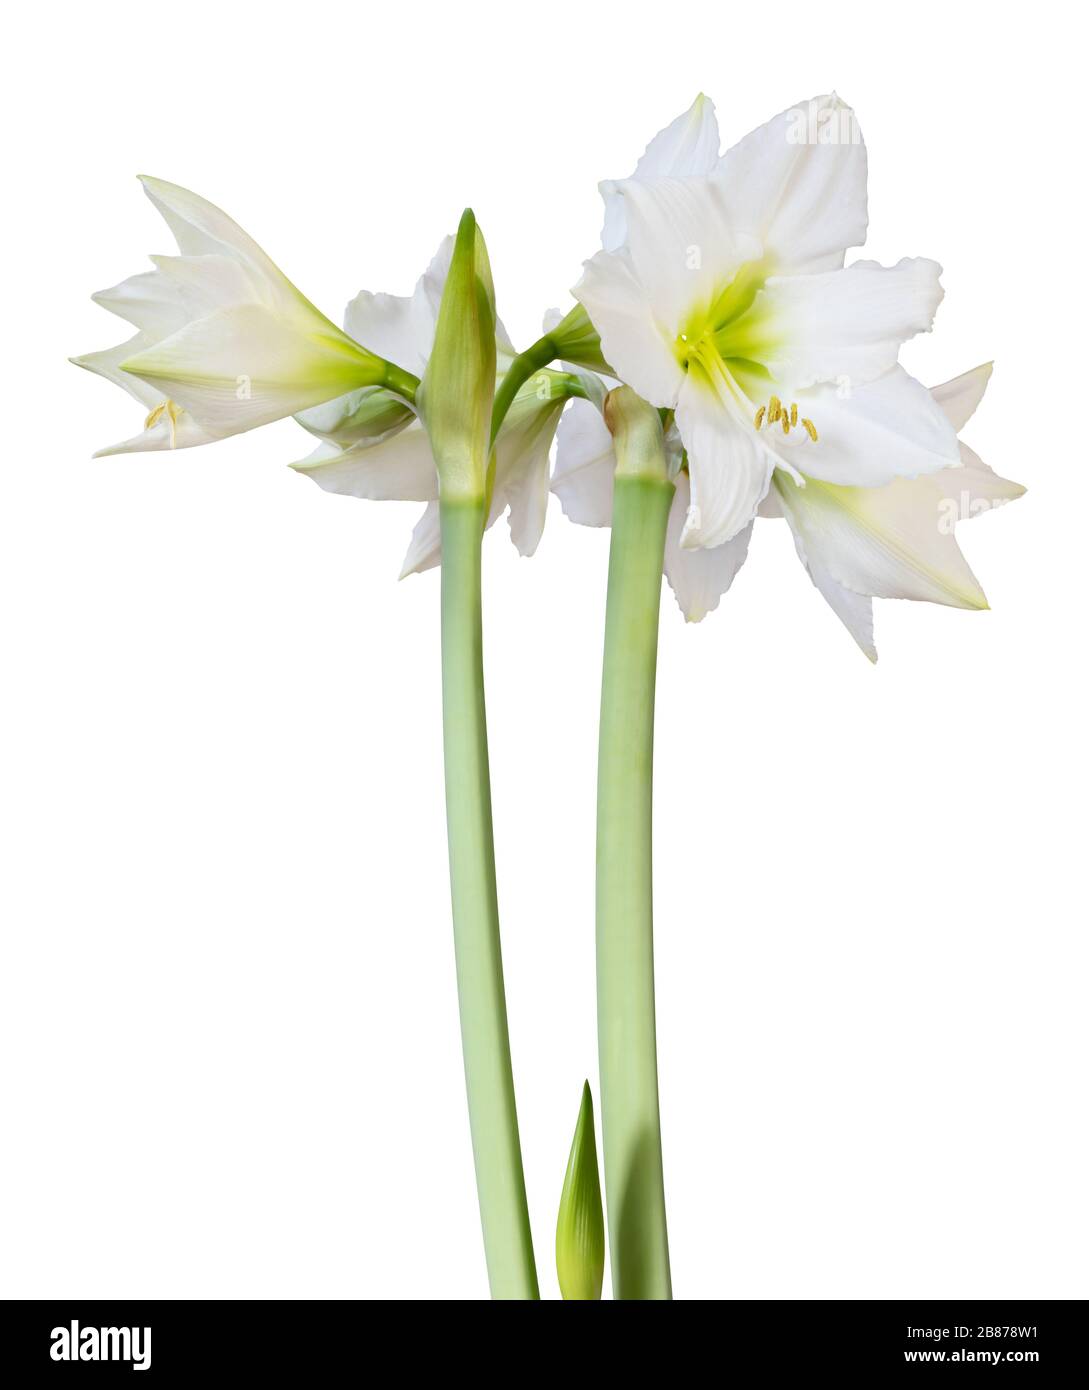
(842, 325)
(521, 484)
(148, 301)
(855, 611)
(683, 246)
(770, 508)
(201, 284)
(428, 291)
(199, 227)
(687, 147)
(632, 341)
(202, 229)
(960, 397)
(521, 467)
(729, 468)
(699, 578)
(175, 429)
(245, 366)
(973, 488)
(887, 542)
(585, 466)
(384, 324)
(425, 548)
(108, 364)
(402, 327)
(178, 432)
(400, 468)
(799, 184)
(889, 428)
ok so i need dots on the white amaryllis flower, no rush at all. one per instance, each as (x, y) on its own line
(225, 341)
(721, 295)
(856, 543)
(373, 446)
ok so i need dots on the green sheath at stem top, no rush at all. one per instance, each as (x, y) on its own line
(455, 404)
(634, 1188)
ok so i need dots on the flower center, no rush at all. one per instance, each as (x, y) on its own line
(731, 319)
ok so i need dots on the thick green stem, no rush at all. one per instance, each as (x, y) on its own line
(631, 1130)
(489, 1080)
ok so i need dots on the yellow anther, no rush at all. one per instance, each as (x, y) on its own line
(171, 411)
(794, 412)
(759, 417)
(775, 409)
(786, 423)
(810, 429)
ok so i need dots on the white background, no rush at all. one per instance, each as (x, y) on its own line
(230, 1060)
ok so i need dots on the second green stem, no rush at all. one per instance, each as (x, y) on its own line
(631, 1129)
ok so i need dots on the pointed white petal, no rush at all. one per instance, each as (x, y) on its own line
(855, 611)
(179, 432)
(960, 397)
(425, 548)
(699, 578)
(729, 468)
(108, 364)
(841, 325)
(799, 183)
(887, 542)
(973, 488)
(148, 301)
(687, 147)
(202, 229)
(400, 468)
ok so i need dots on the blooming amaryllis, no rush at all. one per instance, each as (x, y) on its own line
(727, 302)
(224, 340)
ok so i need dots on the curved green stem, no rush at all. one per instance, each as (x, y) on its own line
(489, 1080)
(517, 374)
(631, 1129)
(402, 383)
(575, 339)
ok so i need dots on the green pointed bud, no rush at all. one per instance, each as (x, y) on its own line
(576, 340)
(636, 428)
(455, 396)
(580, 1227)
